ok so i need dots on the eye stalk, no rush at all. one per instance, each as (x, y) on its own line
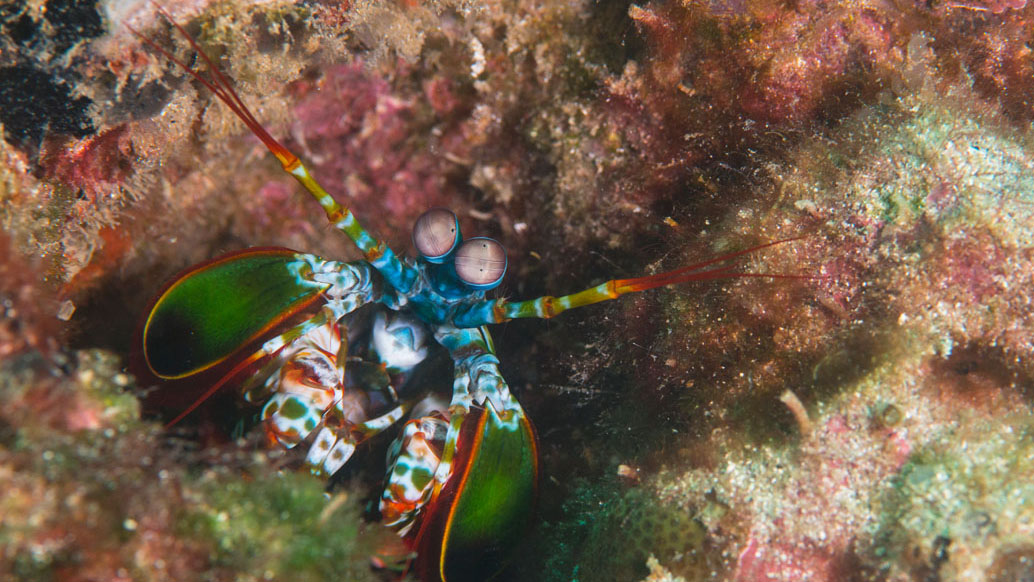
(480, 263)
(436, 234)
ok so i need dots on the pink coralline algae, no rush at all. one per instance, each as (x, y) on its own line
(758, 563)
(373, 147)
(92, 165)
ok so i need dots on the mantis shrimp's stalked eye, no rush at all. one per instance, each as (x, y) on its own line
(436, 234)
(481, 263)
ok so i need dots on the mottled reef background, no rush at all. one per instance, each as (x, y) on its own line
(875, 424)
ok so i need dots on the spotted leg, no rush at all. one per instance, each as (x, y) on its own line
(461, 482)
(482, 417)
(413, 460)
(318, 389)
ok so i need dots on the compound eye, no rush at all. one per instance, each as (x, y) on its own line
(481, 262)
(436, 234)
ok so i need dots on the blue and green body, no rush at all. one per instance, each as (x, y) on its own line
(485, 485)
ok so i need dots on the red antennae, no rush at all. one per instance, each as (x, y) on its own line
(551, 306)
(694, 273)
(220, 86)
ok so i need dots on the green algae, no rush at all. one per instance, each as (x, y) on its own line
(91, 487)
(279, 526)
(74, 447)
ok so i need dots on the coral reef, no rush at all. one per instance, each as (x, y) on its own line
(890, 140)
(91, 492)
(916, 432)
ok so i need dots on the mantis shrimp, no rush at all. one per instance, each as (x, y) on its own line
(462, 475)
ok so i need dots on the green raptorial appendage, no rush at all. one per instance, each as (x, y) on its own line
(217, 308)
(488, 502)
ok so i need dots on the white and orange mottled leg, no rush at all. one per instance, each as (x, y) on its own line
(399, 342)
(308, 384)
(309, 394)
(316, 388)
(412, 462)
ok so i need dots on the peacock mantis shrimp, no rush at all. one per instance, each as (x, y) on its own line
(462, 475)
